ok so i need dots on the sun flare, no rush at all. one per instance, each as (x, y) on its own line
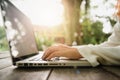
(43, 12)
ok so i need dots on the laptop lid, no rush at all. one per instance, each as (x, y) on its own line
(19, 30)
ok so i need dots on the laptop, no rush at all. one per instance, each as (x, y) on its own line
(22, 41)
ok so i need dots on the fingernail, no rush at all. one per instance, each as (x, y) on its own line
(47, 59)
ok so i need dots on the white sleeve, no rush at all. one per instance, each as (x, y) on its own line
(107, 53)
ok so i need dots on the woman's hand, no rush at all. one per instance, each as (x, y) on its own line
(61, 51)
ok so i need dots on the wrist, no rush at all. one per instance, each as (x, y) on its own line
(77, 53)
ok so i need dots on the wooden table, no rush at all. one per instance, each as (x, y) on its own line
(10, 72)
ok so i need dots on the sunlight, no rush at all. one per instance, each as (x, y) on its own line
(103, 10)
(107, 27)
(42, 12)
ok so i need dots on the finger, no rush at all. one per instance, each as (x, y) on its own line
(55, 54)
(53, 49)
(45, 53)
(48, 52)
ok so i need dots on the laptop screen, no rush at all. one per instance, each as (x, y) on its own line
(19, 31)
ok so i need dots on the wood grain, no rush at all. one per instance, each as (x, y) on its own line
(5, 62)
(81, 74)
(9, 72)
(115, 70)
(4, 54)
(13, 73)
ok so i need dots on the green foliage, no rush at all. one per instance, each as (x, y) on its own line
(112, 21)
(2, 32)
(3, 41)
(92, 32)
(43, 41)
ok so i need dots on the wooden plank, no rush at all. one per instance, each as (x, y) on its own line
(115, 70)
(4, 54)
(81, 74)
(5, 62)
(14, 73)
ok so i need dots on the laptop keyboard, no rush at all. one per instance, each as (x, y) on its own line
(40, 59)
(36, 59)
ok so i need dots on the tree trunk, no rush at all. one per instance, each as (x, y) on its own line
(72, 25)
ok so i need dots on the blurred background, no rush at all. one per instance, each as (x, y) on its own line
(70, 22)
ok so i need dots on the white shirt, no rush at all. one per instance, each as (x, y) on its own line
(107, 53)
